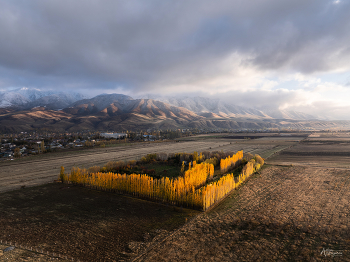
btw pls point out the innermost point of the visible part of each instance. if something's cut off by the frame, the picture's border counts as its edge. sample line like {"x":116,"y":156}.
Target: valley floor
{"x":295,"y":209}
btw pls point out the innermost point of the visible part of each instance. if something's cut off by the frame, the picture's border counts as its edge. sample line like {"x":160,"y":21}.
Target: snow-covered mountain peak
{"x":26,"y":97}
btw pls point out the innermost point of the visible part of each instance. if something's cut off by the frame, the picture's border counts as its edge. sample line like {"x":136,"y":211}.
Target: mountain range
{"x":29,"y":109}
{"x":216,"y":108}
{"x":27,"y":98}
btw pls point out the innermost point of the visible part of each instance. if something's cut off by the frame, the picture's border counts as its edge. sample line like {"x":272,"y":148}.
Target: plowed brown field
{"x":283,"y":214}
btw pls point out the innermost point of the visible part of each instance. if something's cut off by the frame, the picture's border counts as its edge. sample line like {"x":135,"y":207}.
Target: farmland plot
{"x":329,"y":153}
{"x":283,"y":214}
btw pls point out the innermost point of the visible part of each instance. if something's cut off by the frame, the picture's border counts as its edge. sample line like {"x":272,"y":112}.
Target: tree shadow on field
{"x":82,"y":223}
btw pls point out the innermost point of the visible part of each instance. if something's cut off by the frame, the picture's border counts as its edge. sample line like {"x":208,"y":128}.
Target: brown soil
{"x":283,"y":214}
{"x":83,"y":224}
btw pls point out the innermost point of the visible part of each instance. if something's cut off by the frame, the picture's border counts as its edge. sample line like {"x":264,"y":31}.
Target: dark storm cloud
{"x":135,"y":44}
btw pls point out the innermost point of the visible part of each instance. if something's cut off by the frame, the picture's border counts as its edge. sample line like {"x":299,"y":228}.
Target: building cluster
{"x":25,"y":144}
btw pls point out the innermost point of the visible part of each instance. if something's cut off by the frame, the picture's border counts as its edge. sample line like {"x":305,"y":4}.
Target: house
{"x":54,"y":145}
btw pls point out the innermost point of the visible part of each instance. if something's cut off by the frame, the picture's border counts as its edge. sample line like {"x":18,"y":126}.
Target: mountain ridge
{"x":122,"y":112}
{"x":27,"y":98}
{"x":205,"y":106}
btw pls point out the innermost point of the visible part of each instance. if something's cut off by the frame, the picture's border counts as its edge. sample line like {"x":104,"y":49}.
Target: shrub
{"x":149,"y":158}
{"x":195,"y":156}
{"x":259,"y":160}
{"x":162,"y":156}
{"x":62,"y":174}
{"x":94,"y":169}
{"x":214,"y":161}
{"x":88,"y":144}
{"x":247,"y":156}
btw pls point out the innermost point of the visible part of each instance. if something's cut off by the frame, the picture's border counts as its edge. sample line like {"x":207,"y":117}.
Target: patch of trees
{"x":216,"y":191}
{"x":192,"y":189}
{"x":230,"y":162}
{"x":179,"y":191}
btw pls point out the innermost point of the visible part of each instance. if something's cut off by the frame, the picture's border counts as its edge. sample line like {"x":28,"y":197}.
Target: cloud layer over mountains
{"x":38,"y":111}
{"x":284,"y":54}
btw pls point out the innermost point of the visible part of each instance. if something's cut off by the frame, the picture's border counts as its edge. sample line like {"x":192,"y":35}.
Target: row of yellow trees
{"x":179,"y":191}
{"x":188,"y":190}
{"x":216,"y":191}
{"x":230,"y":161}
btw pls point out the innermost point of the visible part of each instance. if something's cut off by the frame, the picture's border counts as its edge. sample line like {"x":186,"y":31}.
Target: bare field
{"x":315,"y":161}
{"x":59,"y":221}
{"x":319,"y":148}
{"x":330,"y":135}
{"x":331,"y":152}
{"x":45,"y":168}
{"x":283,"y":214}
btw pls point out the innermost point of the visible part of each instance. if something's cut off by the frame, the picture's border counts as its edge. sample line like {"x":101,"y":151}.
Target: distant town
{"x":24,"y":144}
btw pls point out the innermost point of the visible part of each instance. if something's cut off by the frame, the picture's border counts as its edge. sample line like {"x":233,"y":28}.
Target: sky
{"x":292,"y":55}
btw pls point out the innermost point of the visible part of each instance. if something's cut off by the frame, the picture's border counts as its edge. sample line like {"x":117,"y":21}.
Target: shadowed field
{"x":83,"y":224}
